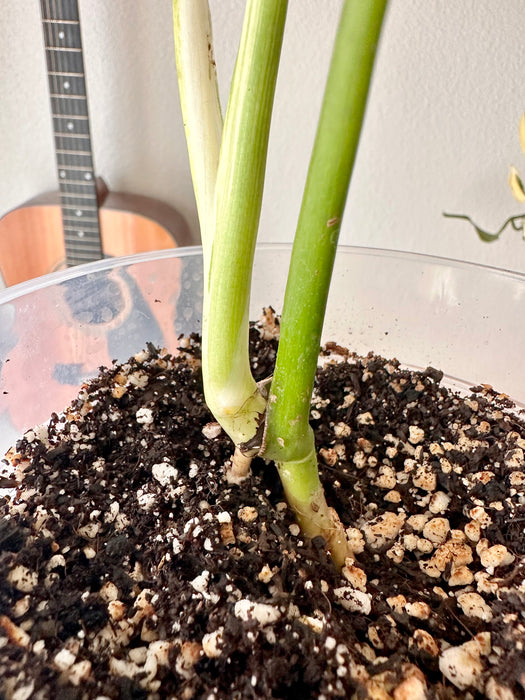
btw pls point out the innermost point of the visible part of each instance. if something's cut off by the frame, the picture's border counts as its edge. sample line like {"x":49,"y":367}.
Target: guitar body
{"x":32,"y":238}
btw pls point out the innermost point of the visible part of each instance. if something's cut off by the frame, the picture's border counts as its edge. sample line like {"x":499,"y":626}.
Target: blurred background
{"x":440,"y":134}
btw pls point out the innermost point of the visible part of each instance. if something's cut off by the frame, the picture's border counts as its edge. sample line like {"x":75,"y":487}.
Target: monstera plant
{"x":228,"y":169}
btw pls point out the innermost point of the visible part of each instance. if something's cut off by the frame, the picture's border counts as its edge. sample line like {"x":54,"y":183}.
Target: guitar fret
{"x":61,"y":72}
{"x":74,"y":147}
{"x":88,"y":253}
{"x":74,"y":168}
{"x":81,"y":200}
{"x":82,"y":240}
{"x":78,"y":259}
{"x":63,"y":48}
{"x":69,"y":97}
{"x":74,"y":153}
{"x":75,"y":181}
{"x":91,"y":249}
{"x":82,"y":208}
{"x":71,"y":116}
{"x":78,"y":195}
{"x":75,"y":224}
{"x":74,"y":203}
{"x":60,"y":21}
{"x":83,"y":254}
{"x":84,"y":226}
{"x":73,"y":164}
{"x":73,"y":187}
{"x":69,"y":135}
{"x":80,"y":250}
{"x":88,"y":226}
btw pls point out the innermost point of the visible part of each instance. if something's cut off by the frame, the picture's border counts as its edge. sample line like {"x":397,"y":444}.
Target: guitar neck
{"x":69,"y":108}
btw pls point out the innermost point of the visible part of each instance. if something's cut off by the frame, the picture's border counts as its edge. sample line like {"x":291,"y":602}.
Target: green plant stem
{"x":201,"y":111}
{"x":289,"y":438}
{"x":231,"y":392}
{"x":306,"y":497}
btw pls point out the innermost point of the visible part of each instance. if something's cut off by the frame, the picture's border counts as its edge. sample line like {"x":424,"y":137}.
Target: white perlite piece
{"x":462,"y":665}
{"x":146,"y":501}
{"x":419,"y":609}
{"x":144,"y":416}
{"x":64,"y":659}
{"x":415,"y":434}
{"x":496,"y":691}
{"x":355,"y":576}
{"x":353,"y":600}
{"x":200,"y":582}
{"x":436,"y":530}
{"x":439,"y":502}
{"x":514,"y":459}
{"x":247,"y":514}
{"x":314,"y":623}
{"x":211,"y":430}
{"x":164,"y":473}
{"x":212,"y":643}
{"x":383,"y":529}
{"x":355,"y":540}
{"x":22,"y":578}
{"x":473,"y":605}
{"x":424,"y":478}
{"x":365,"y":419}
{"x":480,"y":515}
{"x":24,"y":692}
{"x":265,"y":614}
{"x":497,"y":555}
{"x":412,"y":688}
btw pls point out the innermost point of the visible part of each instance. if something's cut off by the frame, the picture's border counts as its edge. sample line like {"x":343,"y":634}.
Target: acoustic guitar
{"x":83,"y":221}
{"x":80,"y":325}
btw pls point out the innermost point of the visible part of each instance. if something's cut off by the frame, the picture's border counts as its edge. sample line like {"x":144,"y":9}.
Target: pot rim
{"x":33,"y":285}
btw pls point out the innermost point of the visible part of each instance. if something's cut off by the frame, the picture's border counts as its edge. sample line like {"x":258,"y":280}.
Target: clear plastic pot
{"x":55,"y":331}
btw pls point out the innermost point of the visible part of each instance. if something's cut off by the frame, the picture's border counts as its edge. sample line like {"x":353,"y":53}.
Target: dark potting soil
{"x":129,"y":568}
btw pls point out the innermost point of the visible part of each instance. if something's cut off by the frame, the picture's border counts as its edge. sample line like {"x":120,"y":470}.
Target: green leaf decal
{"x":516,"y":185}
{"x":517,"y":223}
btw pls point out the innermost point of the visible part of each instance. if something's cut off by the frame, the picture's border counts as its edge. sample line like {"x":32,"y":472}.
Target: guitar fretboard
{"x":69,"y":108}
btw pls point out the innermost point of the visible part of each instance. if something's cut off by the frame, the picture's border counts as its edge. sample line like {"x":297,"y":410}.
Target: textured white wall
{"x":440,"y":133}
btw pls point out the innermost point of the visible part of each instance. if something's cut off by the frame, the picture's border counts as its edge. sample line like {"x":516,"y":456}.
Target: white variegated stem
{"x":230,"y":389}
{"x":200,"y":106}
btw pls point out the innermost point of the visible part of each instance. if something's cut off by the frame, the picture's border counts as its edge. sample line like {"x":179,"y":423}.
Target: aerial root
{"x":239,"y":468}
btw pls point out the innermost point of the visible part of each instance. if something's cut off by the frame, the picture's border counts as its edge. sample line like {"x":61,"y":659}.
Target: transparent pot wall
{"x":57,"y":330}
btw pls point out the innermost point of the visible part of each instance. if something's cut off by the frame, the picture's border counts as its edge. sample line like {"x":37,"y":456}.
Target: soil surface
{"x":129,"y":568}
